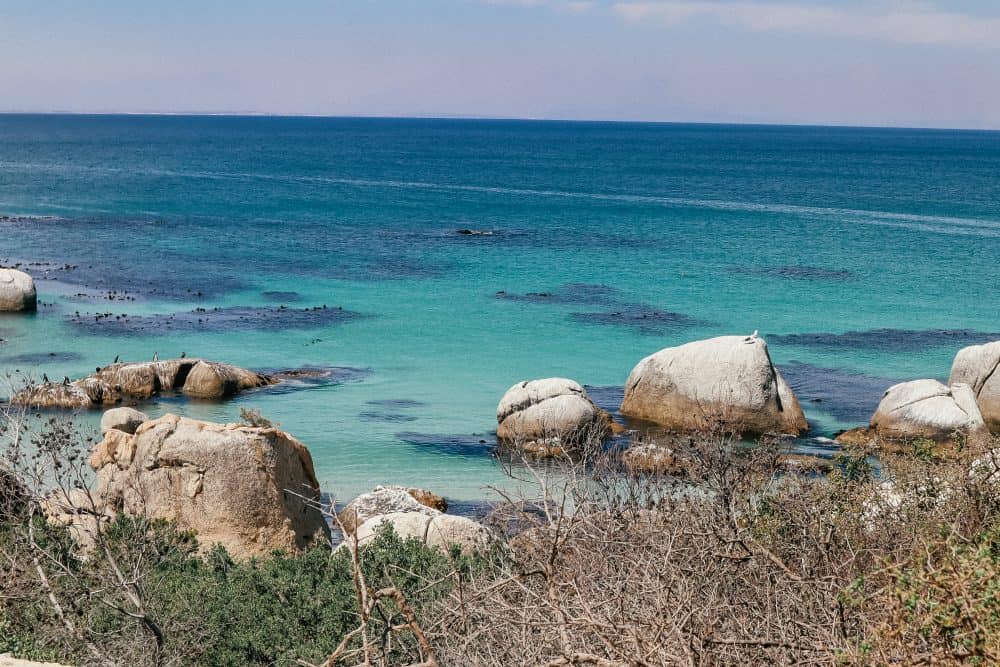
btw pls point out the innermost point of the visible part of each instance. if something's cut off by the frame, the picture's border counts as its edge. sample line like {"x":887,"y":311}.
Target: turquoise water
{"x":609,"y":241}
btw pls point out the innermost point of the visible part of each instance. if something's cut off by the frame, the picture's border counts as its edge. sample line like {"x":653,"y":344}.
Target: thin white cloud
{"x":904,"y":23}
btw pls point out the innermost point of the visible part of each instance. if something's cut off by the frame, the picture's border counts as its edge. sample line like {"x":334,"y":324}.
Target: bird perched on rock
{"x":183,"y":354}
{"x":156,"y":357}
{"x":65,"y":381}
{"x":116,"y":359}
{"x":45,"y":378}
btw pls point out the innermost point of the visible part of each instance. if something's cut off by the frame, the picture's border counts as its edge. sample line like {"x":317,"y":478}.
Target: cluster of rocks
{"x":412,"y":513}
{"x":967,"y":408}
{"x":139,"y":381}
{"x":731,"y":380}
{"x":251,"y":489}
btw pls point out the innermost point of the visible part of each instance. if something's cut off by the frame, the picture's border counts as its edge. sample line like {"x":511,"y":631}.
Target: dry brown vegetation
{"x":735,"y":563}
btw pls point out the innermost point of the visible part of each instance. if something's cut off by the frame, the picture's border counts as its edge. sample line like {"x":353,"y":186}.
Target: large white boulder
{"x":550,"y":408}
{"x":977,"y":367}
{"x":729,"y":379}
{"x":928,"y":409}
{"x":17,"y":292}
{"x":251,"y":489}
{"x":441,"y":530}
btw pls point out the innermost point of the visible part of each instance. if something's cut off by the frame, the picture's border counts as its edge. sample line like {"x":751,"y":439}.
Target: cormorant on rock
{"x":116,"y":359}
{"x":65,"y":381}
{"x":183,"y":354}
{"x":156,"y":357}
{"x":45,"y":378}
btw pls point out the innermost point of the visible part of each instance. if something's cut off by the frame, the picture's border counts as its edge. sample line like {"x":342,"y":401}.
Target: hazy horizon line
{"x":529,"y":119}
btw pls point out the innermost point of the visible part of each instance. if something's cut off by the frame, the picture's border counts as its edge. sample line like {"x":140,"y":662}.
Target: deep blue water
{"x":865,"y":256}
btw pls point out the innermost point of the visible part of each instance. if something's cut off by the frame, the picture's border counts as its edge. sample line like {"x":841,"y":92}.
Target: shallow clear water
{"x":609,"y":242}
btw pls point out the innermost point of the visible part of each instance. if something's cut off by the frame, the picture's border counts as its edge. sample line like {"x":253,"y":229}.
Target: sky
{"x":916,"y":63}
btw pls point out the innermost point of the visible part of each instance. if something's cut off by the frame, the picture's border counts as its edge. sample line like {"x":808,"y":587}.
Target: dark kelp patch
{"x":886,"y":340}
{"x":40,"y":358}
{"x":847,"y":396}
{"x":470,"y":446}
{"x":642,"y":317}
{"x":396,"y":403}
{"x":385,"y":416}
{"x":237,"y":318}
{"x":311,"y":377}
{"x":572,"y":293}
{"x":794,"y":272}
{"x":275,"y":296}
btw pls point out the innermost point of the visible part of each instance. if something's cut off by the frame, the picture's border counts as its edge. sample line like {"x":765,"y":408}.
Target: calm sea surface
{"x":864,"y":256}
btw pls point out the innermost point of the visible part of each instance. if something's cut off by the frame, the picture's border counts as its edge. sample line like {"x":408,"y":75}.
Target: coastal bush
{"x":208,"y":610}
{"x":736,"y":562}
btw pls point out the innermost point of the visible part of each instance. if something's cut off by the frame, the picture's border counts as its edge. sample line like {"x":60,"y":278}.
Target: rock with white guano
{"x":552,"y":408}
{"x":17,"y":292}
{"x":728,"y":379}
{"x":928,"y":409}
{"x":977,"y":366}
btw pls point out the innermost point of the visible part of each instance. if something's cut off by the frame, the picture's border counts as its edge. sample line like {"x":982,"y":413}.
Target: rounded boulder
{"x":17,"y":292}
{"x":729,"y":379}
{"x":928,"y":409}
{"x":550,"y":408}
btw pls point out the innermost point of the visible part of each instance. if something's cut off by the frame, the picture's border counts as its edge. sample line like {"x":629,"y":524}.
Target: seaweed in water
{"x":886,"y":340}
{"x":396,"y":403}
{"x":847,"y":396}
{"x":281,"y":297}
{"x":238,"y":318}
{"x":385,"y":416}
{"x":793,"y":272}
{"x":470,"y":446}
{"x":310,"y":377}
{"x":39,"y":358}
{"x":644,"y":318}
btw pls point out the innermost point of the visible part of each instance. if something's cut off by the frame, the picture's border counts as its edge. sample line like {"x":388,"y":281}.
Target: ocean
{"x":864,"y":256}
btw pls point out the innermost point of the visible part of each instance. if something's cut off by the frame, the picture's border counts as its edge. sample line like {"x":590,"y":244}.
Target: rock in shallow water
{"x":729,"y":379}
{"x":553,"y":408}
{"x":112,"y":384}
{"x":928,"y":409}
{"x":977,"y":366}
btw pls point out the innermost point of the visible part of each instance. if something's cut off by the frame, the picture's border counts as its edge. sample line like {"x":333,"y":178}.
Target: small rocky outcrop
{"x":212,"y":380}
{"x":141,"y":381}
{"x":441,"y":530}
{"x":126,"y":420}
{"x":977,"y":367}
{"x":552,"y":411}
{"x":729,"y":379}
{"x":389,"y":500}
{"x":17,"y":292}
{"x":922,"y":410}
{"x":251,"y":489}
